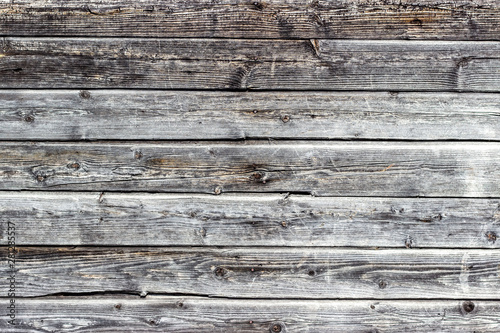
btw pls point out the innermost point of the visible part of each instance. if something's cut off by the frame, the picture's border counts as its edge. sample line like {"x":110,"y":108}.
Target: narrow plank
{"x":179,"y":115}
{"x":427,"y":19}
{"x":250,"y":64}
{"x":394,"y":169}
{"x":193,"y":314}
{"x":247,"y":220}
{"x":271,"y":272}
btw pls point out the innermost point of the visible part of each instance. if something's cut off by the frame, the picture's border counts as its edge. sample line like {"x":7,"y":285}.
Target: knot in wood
{"x":468,"y":306}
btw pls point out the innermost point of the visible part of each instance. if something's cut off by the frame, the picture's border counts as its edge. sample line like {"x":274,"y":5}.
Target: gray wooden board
{"x":168,"y":115}
{"x":425,"y":19}
{"x":250,"y":64}
{"x":271,"y":272}
{"x":194,"y":314}
{"x":395,"y":169}
{"x":143,"y":219}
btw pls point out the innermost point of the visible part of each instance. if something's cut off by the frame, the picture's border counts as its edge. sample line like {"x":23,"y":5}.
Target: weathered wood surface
{"x":272,"y":272}
{"x":247,"y":220}
{"x":395,"y":169}
{"x":250,"y":64}
{"x":167,"y":115}
{"x":378,"y":19}
{"x":193,"y":314}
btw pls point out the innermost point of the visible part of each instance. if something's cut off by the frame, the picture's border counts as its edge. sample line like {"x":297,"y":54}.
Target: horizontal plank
{"x":250,"y":64}
{"x":427,"y":19}
{"x":193,"y":314}
{"x":271,"y":272}
{"x":247,"y":220}
{"x":395,"y":169}
{"x":166,"y":115}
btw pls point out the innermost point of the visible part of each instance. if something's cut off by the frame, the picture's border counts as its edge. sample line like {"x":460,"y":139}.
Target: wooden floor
{"x":242,"y":166}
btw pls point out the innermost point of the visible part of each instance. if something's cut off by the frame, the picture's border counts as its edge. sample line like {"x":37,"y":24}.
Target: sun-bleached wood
{"x":248,"y":220}
{"x":271,"y":272}
{"x":390,"y":169}
{"x":181,"y":115}
{"x":187,"y":314}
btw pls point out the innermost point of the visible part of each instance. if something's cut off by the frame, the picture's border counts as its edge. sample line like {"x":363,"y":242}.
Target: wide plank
{"x":195,"y":314}
{"x":179,"y":115}
{"x":322,"y":168}
{"x":247,"y":220}
{"x":271,"y":272}
{"x":376,"y":19}
{"x":250,"y":64}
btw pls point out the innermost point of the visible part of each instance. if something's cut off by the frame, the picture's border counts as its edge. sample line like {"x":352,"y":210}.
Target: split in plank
{"x":331,"y":168}
{"x":271,"y":272}
{"x":195,"y":314}
{"x":394,"y":19}
{"x":247,"y":220}
{"x":250,"y":64}
{"x":167,"y":115}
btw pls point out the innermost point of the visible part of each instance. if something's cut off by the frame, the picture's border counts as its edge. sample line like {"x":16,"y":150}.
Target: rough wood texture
{"x":321,"y":168}
{"x":312,"y":273}
{"x":192,"y":314}
{"x":250,"y":64}
{"x":425,"y":19}
{"x":248,"y":220}
{"x":151,"y":115}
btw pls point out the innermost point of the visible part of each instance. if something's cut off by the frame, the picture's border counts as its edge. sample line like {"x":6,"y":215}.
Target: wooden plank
{"x":190,"y":314}
{"x":250,"y":64}
{"x":427,"y":19}
{"x":395,"y":169}
{"x":179,"y":115}
{"x":247,"y":220}
{"x":271,"y":272}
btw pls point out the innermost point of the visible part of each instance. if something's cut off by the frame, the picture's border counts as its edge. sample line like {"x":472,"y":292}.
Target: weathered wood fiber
{"x":425,"y":19}
{"x":395,"y":169}
{"x":250,"y":64}
{"x":151,"y":115}
{"x":194,"y":314}
{"x":272,"y":272}
{"x":247,"y":220}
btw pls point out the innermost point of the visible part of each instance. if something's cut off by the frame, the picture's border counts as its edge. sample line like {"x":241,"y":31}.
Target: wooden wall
{"x":248,"y":166}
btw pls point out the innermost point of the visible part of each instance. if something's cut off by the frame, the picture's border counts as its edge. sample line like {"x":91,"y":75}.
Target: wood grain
{"x":250,"y":64}
{"x":179,"y":115}
{"x":188,"y":314}
{"x":272,"y":272}
{"x":377,"y":19}
{"x":247,"y":220}
{"x":394,"y":169}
